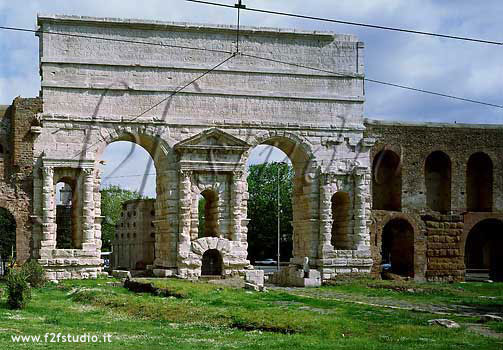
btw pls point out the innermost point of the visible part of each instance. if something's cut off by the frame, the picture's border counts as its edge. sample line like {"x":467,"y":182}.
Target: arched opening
{"x":208,"y":214}
{"x":397,"y":249}
{"x":438,"y":181}
{"x":212,"y":263}
{"x":483,"y":254}
{"x":479,"y":183}
{"x":341,"y":216}
{"x":129,"y":188}
{"x":387,"y":181}
{"x":67,"y":215}
{"x":270,"y":176}
{"x":7,"y":238}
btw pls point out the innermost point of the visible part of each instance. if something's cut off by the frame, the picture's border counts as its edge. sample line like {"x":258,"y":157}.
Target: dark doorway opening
{"x":397,"y":250}
{"x":7,"y":239}
{"x":483,"y":253}
{"x":212,"y":263}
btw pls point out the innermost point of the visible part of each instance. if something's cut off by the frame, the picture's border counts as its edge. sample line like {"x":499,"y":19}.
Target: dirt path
{"x":443,"y":310}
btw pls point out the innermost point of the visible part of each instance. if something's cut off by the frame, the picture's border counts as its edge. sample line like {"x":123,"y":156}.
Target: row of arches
{"x":212,"y":202}
{"x":483,"y":257}
{"x":387,"y":182}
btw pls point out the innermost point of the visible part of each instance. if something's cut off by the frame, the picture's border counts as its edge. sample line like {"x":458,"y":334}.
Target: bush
{"x":35,"y":273}
{"x":18,"y":288}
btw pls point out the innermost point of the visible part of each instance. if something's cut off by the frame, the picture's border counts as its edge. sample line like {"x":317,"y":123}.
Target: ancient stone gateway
{"x":96,"y":92}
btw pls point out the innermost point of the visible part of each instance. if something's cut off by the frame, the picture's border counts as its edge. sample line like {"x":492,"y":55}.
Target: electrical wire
{"x":183,"y":87}
{"x":18,"y":29}
{"x":338,"y":74}
{"x":405,"y":87}
{"x":373,"y":26}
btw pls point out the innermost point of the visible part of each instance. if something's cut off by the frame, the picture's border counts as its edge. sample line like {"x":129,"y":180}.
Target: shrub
{"x":35,"y":273}
{"x":18,"y":288}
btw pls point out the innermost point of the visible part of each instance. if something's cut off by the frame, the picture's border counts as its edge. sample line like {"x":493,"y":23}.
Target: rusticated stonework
{"x":425,"y":199}
{"x":95,"y":92}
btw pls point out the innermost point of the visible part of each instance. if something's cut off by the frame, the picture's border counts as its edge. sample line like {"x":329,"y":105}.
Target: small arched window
{"x":479,"y":182}
{"x":386,"y":181}
{"x":437,"y":174}
{"x":341,"y":216}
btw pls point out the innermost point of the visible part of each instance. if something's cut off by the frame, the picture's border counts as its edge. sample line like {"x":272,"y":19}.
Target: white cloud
{"x":455,"y":67}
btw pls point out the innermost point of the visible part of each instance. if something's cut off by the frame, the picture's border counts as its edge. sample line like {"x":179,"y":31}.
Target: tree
{"x":112,"y":198}
{"x":263,"y":208}
{"x":8,"y":234}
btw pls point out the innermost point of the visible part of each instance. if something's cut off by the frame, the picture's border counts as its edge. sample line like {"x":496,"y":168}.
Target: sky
{"x":465,"y":69}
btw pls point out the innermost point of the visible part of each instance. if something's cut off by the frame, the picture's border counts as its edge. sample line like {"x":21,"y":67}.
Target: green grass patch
{"x":487,"y":296}
{"x":216,"y":317}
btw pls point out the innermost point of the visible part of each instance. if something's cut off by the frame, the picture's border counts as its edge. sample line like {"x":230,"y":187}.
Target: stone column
{"x":361,"y":236}
{"x":236,"y":202}
{"x":48,"y":229}
{"x":326,"y":220}
{"x":88,"y":209}
{"x":184,"y":219}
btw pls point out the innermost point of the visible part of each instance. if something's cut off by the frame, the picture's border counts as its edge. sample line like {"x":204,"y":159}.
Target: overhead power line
{"x":150,"y":43}
{"x":373,"y":26}
{"x":375,"y":81}
{"x":338,"y":74}
{"x":166,"y":98}
{"x":183,"y":87}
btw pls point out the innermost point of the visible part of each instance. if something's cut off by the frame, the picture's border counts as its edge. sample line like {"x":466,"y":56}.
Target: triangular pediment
{"x":213,"y":139}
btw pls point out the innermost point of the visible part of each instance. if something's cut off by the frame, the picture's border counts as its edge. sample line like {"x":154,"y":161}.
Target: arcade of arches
{"x":357,"y":182}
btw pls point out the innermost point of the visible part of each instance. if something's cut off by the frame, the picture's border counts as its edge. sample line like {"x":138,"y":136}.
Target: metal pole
{"x":279,"y":210}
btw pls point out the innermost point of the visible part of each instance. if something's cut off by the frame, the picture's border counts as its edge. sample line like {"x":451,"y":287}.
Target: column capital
{"x":88,"y":171}
{"x":237,"y":174}
{"x":185,"y":173}
{"x":48,"y":171}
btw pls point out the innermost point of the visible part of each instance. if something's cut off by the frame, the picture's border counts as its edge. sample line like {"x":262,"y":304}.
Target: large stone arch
{"x":164,"y":161}
{"x":147,"y":137}
{"x":301,"y":153}
{"x":298,"y":149}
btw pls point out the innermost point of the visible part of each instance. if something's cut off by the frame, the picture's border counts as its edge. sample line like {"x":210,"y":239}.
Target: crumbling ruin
{"x":365,"y":192}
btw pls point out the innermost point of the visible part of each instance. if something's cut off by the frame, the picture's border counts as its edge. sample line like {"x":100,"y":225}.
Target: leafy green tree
{"x":263,"y":180}
{"x":8,"y":234}
{"x":112,"y":198}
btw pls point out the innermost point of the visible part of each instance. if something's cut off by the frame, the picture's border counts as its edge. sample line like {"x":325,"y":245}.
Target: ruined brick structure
{"x":434,"y":186}
{"x":133,"y":244}
{"x":18,"y":129}
{"x":356,"y":184}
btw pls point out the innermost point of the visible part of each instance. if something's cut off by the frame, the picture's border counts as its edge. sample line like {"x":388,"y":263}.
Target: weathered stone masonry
{"x":363,"y":191}
{"x":18,"y":129}
{"x":439,"y":236}
{"x":95,"y":91}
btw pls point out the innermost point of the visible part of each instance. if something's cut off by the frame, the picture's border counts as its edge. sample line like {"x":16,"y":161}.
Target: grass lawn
{"x":207,"y":316}
{"x":476,"y":294}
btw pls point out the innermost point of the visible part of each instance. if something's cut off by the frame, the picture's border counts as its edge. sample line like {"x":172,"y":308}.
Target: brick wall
{"x":440,"y":249}
{"x":16,"y":180}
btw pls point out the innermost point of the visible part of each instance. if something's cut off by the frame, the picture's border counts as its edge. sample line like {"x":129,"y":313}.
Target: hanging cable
{"x":373,"y":26}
